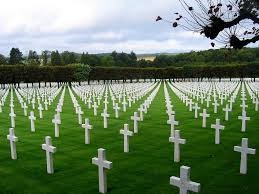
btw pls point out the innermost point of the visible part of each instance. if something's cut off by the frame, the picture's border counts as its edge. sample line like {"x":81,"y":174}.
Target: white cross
{"x":87,"y":128}
{"x":204,"y":116}
{"x":208,"y":101}
{"x":12,"y":138}
{"x":227,"y":110}
{"x":176,"y":139}
{"x":46,"y":104}
{"x":217,"y":128}
{"x":32,"y":118}
{"x":57,"y":122}
{"x":170,"y":111}
{"x":79,"y":114}
{"x":231,"y":101}
{"x":202,"y":98}
{"x":172,"y":122}
{"x":102,"y":164}
{"x":99,"y":100}
{"x":244,"y":150}
{"x":256,"y":104}
{"x":33,"y":103}
{"x":215,"y":104}
{"x":135,"y":118}
{"x":105,"y":115}
{"x":95,"y":106}
{"x":244,"y":118}
{"x":58,"y":110}
{"x":126,"y":133}
{"x":89,"y":103}
{"x":124,"y":103}
{"x":116,"y":108}
{"x":129,"y":100}
{"x":106,"y":102}
{"x":12,"y":115}
{"x":243,"y":106}
{"x":40,"y":108}
{"x":190,"y":104}
{"x":25,"y":107}
{"x":141,"y":109}
{"x":49,"y":154}
{"x":196,"y":108}
{"x":184,"y":183}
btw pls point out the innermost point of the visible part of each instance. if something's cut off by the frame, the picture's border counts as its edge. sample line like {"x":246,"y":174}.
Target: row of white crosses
{"x":86,"y":126}
{"x":101,"y":161}
{"x":3,"y":96}
{"x":48,"y":144}
{"x":125,"y":131}
{"x":253,"y":91}
{"x":184,"y":182}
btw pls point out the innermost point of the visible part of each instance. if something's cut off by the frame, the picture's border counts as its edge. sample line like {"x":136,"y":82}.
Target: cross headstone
{"x":40,"y":108}
{"x":176,"y":139}
{"x":126,"y":133}
{"x":103,"y":165}
{"x":116,"y":108}
{"x":204,"y":116}
{"x":12,"y":115}
{"x":215,"y":104}
{"x":172,"y":122}
{"x":105,"y":115}
{"x":226,"y":110}
{"x":32,"y":118}
{"x":244,"y":118}
{"x":12,"y":138}
{"x":244,"y":150}
{"x":79,"y":114}
{"x":135,"y":118}
{"x":25,"y":107}
{"x":49,"y":154}
{"x":217,"y":128}
{"x":87,"y":128}
{"x":256,"y":104}
{"x":184,"y":183}
{"x":95,"y":106}
{"x":196,"y":108}
{"x":56,"y":121}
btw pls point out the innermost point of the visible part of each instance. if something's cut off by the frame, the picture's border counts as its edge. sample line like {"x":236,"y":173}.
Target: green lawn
{"x":145,"y":169}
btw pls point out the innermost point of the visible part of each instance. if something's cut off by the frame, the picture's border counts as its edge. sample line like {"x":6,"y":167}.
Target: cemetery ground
{"x":148,"y":165}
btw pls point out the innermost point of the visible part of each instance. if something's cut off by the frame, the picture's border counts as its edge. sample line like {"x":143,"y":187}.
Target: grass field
{"x":145,"y":169}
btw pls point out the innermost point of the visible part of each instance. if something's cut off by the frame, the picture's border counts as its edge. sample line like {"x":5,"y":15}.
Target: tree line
{"x":72,"y":73}
{"x":115,"y":59}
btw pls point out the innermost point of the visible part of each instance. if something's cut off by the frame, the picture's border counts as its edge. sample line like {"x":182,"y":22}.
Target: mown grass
{"x":148,"y":165}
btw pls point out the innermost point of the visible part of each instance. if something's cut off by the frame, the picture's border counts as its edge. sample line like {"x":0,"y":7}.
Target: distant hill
{"x":151,"y":57}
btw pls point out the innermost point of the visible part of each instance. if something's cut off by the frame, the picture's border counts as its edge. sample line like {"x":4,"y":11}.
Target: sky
{"x":94,"y":26}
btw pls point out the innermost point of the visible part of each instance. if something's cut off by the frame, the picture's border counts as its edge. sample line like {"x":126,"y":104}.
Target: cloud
{"x":93,"y":26}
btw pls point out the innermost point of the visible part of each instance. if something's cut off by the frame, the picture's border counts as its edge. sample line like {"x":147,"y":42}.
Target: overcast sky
{"x":95,"y":26}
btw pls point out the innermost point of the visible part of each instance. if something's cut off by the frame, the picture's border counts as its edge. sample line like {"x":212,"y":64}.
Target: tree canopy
{"x":15,"y":56}
{"x":234,"y":23}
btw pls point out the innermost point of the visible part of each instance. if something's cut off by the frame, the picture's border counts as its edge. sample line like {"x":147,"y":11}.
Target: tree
{"x":44,"y":57}
{"x":2,"y":60}
{"x":55,"y":58}
{"x":233,"y":23}
{"x":15,"y":56}
{"x":68,"y":58}
{"x":33,"y":58}
{"x":107,"y":61}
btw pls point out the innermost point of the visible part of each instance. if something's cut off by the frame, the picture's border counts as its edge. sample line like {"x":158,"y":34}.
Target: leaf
{"x":175,"y":24}
{"x":212,"y":44}
{"x":158,"y":18}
